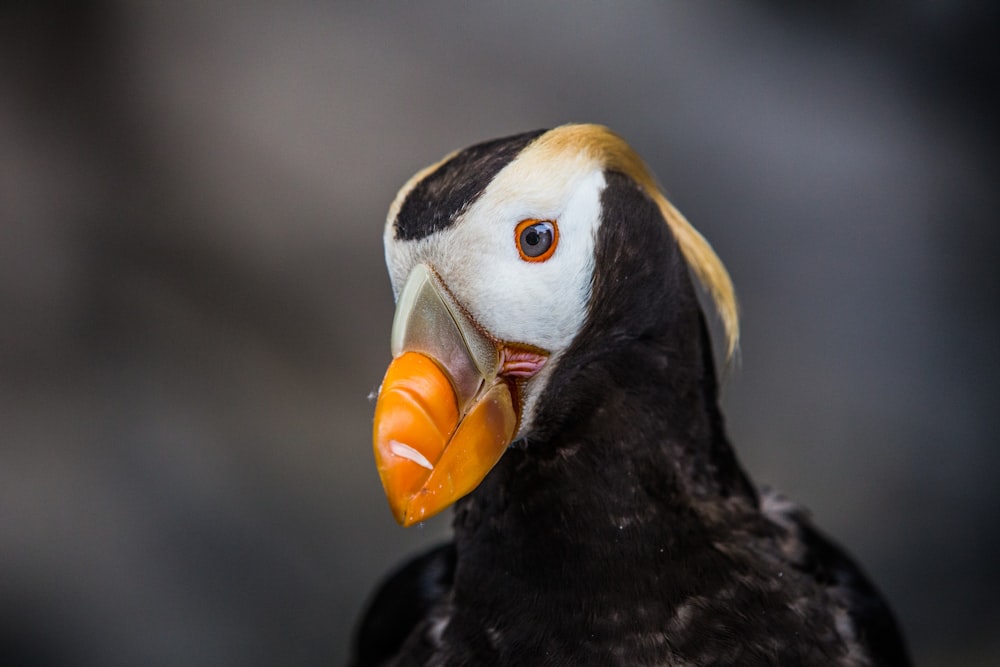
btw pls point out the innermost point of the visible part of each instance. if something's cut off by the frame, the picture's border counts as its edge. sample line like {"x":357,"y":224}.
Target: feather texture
{"x":620,"y":528}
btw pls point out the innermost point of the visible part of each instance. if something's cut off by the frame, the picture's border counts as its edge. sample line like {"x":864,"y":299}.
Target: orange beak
{"x":447,"y":407}
{"x":426,"y":457}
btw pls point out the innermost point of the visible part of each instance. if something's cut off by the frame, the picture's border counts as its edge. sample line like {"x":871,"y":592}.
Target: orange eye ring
{"x":536,"y":240}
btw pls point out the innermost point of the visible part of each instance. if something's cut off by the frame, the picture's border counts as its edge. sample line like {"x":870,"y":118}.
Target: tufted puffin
{"x":553,"y":378}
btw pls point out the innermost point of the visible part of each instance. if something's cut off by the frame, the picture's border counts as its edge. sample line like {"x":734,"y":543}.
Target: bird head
{"x":491,"y":254}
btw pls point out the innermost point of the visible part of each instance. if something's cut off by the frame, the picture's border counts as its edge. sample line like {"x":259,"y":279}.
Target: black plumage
{"x":623,"y":530}
{"x":437,"y":200}
{"x":402,"y":603}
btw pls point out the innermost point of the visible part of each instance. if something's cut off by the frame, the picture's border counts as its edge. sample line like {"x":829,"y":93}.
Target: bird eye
{"x":536,"y":239}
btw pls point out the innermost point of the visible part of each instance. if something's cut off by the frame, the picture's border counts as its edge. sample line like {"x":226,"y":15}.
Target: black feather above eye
{"x":536,"y":239}
{"x":438,"y":199}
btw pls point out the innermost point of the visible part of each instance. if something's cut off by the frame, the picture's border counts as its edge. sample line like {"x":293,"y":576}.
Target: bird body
{"x":611,"y":522}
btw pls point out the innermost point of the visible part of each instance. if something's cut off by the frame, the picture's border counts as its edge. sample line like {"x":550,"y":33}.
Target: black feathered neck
{"x":641,"y":371}
{"x":609,"y":492}
{"x":636,"y":392}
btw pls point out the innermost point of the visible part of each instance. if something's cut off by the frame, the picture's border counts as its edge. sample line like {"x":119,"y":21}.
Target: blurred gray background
{"x":194,"y":305}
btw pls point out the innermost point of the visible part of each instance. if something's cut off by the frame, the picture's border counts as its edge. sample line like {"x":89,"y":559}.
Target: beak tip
{"x":406,"y":512}
{"x":398,"y":512}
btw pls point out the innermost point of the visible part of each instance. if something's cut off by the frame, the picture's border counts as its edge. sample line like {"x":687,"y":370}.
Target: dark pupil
{"x":536,"y":239}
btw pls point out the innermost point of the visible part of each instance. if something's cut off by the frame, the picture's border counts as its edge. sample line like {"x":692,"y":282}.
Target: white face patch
{"x":543,"y":304}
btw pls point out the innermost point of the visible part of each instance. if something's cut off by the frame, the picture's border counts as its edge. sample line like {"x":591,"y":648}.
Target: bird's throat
{"x":614,"y":494}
